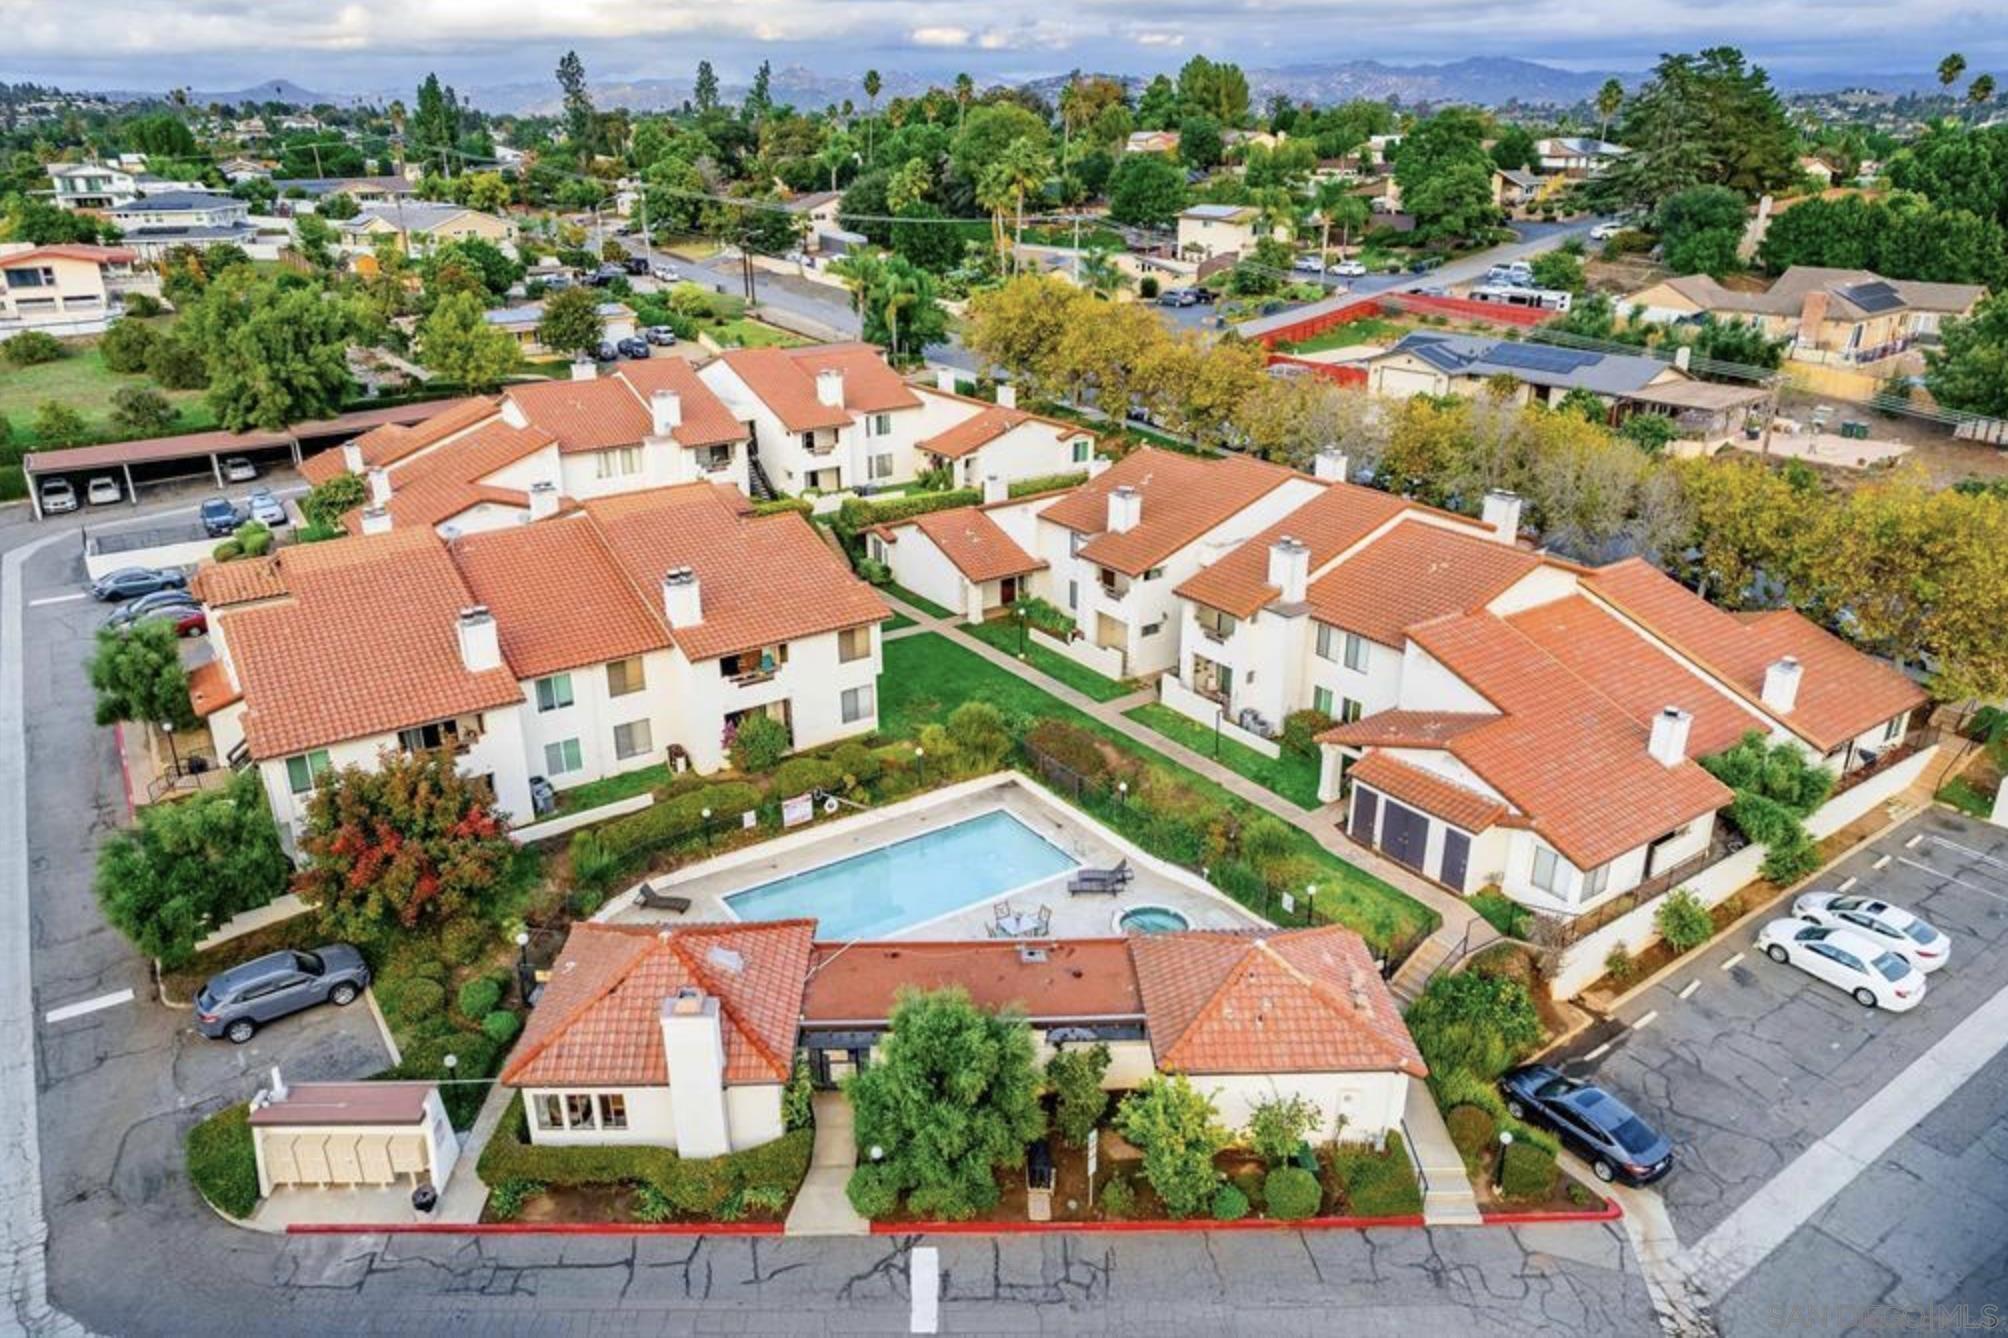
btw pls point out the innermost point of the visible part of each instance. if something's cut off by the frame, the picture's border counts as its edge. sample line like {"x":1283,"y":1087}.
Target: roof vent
{"x":1031,"y":956}
{"x":729,"y":960}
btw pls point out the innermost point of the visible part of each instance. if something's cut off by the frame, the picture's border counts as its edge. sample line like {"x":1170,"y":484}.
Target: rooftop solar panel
{"x":1541,"y":358}
{"x":1873,"y":297}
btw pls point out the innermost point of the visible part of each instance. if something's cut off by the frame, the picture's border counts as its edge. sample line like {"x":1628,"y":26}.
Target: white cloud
{"x":1158,"y":38}
{"x":940,"y":36}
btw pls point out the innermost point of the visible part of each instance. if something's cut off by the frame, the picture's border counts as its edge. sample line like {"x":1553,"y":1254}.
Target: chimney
{"x":995,"y":489}
{"x":1125,"y":509}
{"x":830,"y":388}
{"x":1781,"y":685}
{"x":694,"y":1050}
{"x":665,"y":409}
{"x":376,"y":520}
{"x":1502,"y":513}
{"x":1668,"y":744}
{"x":380,"y":486}
{"x":480,"y":646}
{"x":352,"y":457}
{"x":681,"y":603}
{"x":944,"y":379}
{"x":585,"y":369}
{"x":1812,"y":313}
{"x":1331,"y":464}
{"x":543,"y":500}
{"x":1290,"y":568}
{"x":1007,"y":397}
{"x":1683,"y":357}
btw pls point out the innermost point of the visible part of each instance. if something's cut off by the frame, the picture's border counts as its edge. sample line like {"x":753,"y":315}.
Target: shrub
{"x":1292,"y":1194}
{"x":1618,"y":963}
{"x":1047,"y":483}
{"x":56,"y":423}
{"x":1277,"y":1124}
{"x":1472,"y":1129}
{"x":31,"y":347}
{"x":1777,"y":771}
{"x":143,"y":305}
{"x":177,"y":363}
{"x":801,"y":775}
{"x":798,"y":1098}
{"x":599,"y":855}
{"x":1527,"y":1172}
{"x":857,"y":766}
{"x":1682,"y":921}
{"x":478,"y":997}
{"x":1790,"y":859}
{"x":462,"y":940}
{"x":1479,"y":1023}
{"x":977,"y":731}
{"x":254,"y":538}
{"x":222,"y":1163}
{"x":1118,"y":1197}
{"x":126,"y":347}
{"x":1762,"y":819}
{"x":652,"y":1205}
{"x":1179,"y":1131}
{"x":501,"y":1026}
{"x":1229,"y":1204}
{"x":1377,"y":1184}
{"x":227,"y":551}
{"x":873,"y":572}
{"x":1240,"y":882}
{"x":1071,"y":746}
{"x":1076,"y":1079}
{"x":759,"y":743}
{"x":418,"y":998}
{"x":873,"y":1191}
{"x":506,"y":1200}
{"x":856,"y":515}
{"x":1301,"y":730}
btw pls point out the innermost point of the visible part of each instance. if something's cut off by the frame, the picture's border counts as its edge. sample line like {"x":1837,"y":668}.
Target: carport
{"x":352,"y":1135}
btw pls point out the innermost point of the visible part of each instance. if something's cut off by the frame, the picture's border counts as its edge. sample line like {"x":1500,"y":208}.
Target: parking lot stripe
{"x":1692,"y":986}
{"x":1644,"y":1020}
{"x":1882,"y":863}
{"x":924,"y":1280}
{"x":1598,"y":1053}
{"x":57,"y":599}
{"x":1731,"y":962}
{"x":1955,"y":878}
{"x":83,"y":1006}
{"x":1848,"y":882}
{"x":1912,"y":843}
{"x":1980,"y":855}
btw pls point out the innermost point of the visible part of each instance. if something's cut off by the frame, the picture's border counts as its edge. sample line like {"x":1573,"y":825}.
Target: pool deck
{"x":833,"y":838}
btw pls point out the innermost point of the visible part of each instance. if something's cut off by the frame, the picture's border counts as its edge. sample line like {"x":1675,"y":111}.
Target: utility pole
{"x":648,"y":256}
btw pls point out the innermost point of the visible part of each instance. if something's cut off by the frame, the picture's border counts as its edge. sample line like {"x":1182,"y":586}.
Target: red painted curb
{"x":539,"y":1229}
{"x":1610,"y":1212}
{"x":1189,"y":1224}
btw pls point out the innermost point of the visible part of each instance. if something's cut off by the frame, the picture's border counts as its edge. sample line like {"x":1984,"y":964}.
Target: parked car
{"x":543,"y":796}
{"x":634,"y":346}
{"x":666,"y":272}
{"x":181,"y":610}
{"x":1592,"y":1123}
{"x":1308,"y":265}
{"x":135,"y":609}
{"x":1205,"y":295}
{"x":127,"y":582}
{"x":58,"y":496}
{"x":660,"y":334}
{"x":1922,"y":945}
{"x":235,"y":1003}
{"x":219,"y":517}
{"x":605,"y":351}
{"x":606,"y":274}
{"x":266,"y":509}
{"x":236,"y":469}
{"x":635,"y":265}
{"x":102,"y":491}
{"x":1424,"y":264}
{"x":1847,"y":959}
{"x":1178,"y":297}
{"x":1349,"y":269}
{"x":1603,"y":232}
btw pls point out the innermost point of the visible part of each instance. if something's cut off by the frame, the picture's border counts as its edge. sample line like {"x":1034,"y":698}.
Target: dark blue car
{"x":1592,"y":1123}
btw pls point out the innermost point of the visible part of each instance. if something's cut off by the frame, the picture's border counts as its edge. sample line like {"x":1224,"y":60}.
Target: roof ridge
{"x":522,"y":1058}
{"x":1206,"y":1011}
{"x":674,"y":941}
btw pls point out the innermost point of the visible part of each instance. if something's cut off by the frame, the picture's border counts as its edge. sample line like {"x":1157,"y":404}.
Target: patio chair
{"x":650,"y":899}
{"x":1101,"y":881}
{"x":1001,"y":910}
{"x":1045,"y":925}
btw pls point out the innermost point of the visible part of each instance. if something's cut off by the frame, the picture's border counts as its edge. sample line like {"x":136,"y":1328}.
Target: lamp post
{"x":525,"y":980}
{"x":1021,"y":632}
{"x":1122,"y":793}
{"x":704,"y":816}
{"x":1310,"y":903}
{"x":167,"y":728}
{"x":920,"y":760}
{"x":1219,"y":716}
{"x":1505,"y":1143}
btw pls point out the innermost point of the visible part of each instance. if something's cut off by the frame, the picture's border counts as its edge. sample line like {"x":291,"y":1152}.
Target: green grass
{"x":928,"y":676}
{"x":925,"y":605}
{"x":1503,"y":913}
{"x":222,"y":1163}
{"x":1367,"y":330}
{"x":895,"y":623}
{"x":1003,"y":633}
{"x":1967,"y":797}
{"x":81,"y":381}
{"x":609,"y":788}
{"x":1292,"y":775}
{"x":746,"y":333}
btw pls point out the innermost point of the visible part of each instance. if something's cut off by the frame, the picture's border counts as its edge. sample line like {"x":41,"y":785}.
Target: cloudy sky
{"x":371,"y":45}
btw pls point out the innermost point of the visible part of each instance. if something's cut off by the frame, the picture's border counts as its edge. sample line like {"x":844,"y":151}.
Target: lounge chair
{"x":650,"y":899}
{"x":1101,"y":881}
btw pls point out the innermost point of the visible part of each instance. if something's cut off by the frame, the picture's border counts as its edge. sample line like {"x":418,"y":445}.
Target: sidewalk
{"x":1448,"y":1198}
{"x":821,"y":1206}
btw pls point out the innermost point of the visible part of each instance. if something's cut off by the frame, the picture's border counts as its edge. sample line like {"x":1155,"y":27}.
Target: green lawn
{"x":895,"y":623}
{"x":81,"y":381}
{"x":1503,"y":913}
{"x":747,"y":333}
{"x":928,"y":676}
{"x":925,"y":605}
{"x":1003,"y":633}
{"x":609,"y":788}
{"x":1367,"y":330}
{"x":1292,"y":775}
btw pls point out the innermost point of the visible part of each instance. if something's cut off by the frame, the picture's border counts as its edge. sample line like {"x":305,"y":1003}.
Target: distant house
{"x":1830,"y":315}
{"x":1209,"y":230}
{"x":152,"y":224}
{"x":245,"y":169}
{"x":66,"y":290}
{"x":1576,"y":156}
{"x":92,"y":185}
{"x":1819,"y":170}
{"x":1151,"y":141}
{"x":1513,"y":188}
{"x":420,"y":226}
{"x":363,"y":190}
{"x":617,"y":318}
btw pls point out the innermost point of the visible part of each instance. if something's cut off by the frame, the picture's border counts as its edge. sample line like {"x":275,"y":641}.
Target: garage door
{"x":342,"y":1158}
{"x":1365,"y":803}
{"x":1404,"y":835}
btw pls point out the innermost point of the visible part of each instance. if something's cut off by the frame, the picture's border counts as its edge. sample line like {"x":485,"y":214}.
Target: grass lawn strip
{"x":1005,"y":636}
{"x":1293,"y":776}
{"x":610,"y":788}
{"x":925,"y":605}
{"x":896,"y":623}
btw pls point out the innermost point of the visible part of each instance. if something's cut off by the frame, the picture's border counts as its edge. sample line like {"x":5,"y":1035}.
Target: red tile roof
{"x":210,"y":689}
{"x":585,"y":415}
{"x":591,"y":615}
{"x":599,"y":1021}
{"x":97,"y":255}
{"x":1269,"y":1001}
{"x":1418,"y":788}
{"x":1075,"y":980}
{"x":221,"y":584}
{"x":1414,"y":572}
{"x":969,"y":538}
{"x":1842,"y":692}
{"x":785,"y":381}
{"x":368,"y":642}
{"x":1184,"y":496}
{"x":974,"y":432}
{"x":433,"y":488}
{"x":1406,"y":729}
{"x":1329,"y":524}
{"x":706,"y":420}
{"x":392,"y":442}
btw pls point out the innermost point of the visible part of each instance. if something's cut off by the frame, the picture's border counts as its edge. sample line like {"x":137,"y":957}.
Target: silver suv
{"x":235,"y":1003}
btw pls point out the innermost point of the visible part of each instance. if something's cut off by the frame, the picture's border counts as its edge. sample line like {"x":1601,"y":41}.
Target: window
{"x":879,"y":425}
{"x":1153,"y":573}
{"x":879,"y":466}
{"x":1595,"y":881}
{"x":1349,"y":710}
{"x":624,"y":676}
{"x":1083,"y":449}
{"x":1073,"y":594}
{"x":1547,"y":870}
{"x":858,"y":704}
{"x":853,"y":644}
{"x":714,"y":458}
{"x":554,"y":693}
{"x":579,"y":1110}
{"x":632,"y":740}
{"x":550,"y":1111}
{"x":562,"y":757}
{"x":1217,"y":625}
{"x":455,"y":734}
{"x":1321,"y":700}
{"x":1328,"y":640}
{"x":304,"y":771}
{"x":31,"y":278}
{"x":1152,"y":629}
{"x":1356,"y":652}
{"x":621,"y":462}
{"x":613,"y":1110}
{"x":1895,"y":728}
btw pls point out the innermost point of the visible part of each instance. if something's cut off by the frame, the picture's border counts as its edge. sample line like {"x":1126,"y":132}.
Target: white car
{"x":666,"y":273}
{"x":102,"y":491}
{"x":1349,"y":269}
{"x":1603,"y":232}
{"x":1917,"y":942}
{"x":1847,"y":959}
{"x":236,"y":469}
{"x":58,"y":496}
{"x":1308,"y":265}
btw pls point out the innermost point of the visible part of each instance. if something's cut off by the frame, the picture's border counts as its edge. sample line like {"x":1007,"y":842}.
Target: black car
{"x":235,"y":1003}
{"x":1592,"y":1123}
{"x":634,"y":346}
{"x":605,"y":351}
{"x":1204,"y":296}
{"x":1424,"y":264}
{"x":606,"y":274}
{"x":219,"y":517}
{"x":127,"y":582}
{"x":635,"y":265}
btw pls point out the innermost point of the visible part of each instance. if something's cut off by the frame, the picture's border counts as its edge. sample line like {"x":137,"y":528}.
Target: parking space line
{"x":1912,"y":843}
{"x":924,"y":1281}
{"x":1732,"y":961}
{"x":1598,"y":1053}
{"x":1646,"y":1019}
{"x":83,"y":1006}
{"x":1692,"y":986}
{"x":1848,"y":882}
{"x":1882,"y":863}
{"x":1955,"y":878}
{"x":1980,"y":855}
{"x":58,"y":599}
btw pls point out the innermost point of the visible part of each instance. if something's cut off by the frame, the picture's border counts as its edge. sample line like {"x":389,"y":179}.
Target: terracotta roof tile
{"x":1270,"y":1001}
{"x":1184,"y":496}
{"x":1414,"y":572}
{"x":1076,"y":979}
{"x":221,"y":584}
{"x":585,"y":415}
{"x":560,"y":600}
{"x":435,"y":487}
{"x":974,"y":432}
{"x":785,"y":380}
{"x":392,"y":442}
{"x":210,"y":689}
{"x":1329,"y":524}
{"x":1418,"y":788}
{"x":1406,"y":729}
{"x":706,"y":420}
{"x":976,"y":544}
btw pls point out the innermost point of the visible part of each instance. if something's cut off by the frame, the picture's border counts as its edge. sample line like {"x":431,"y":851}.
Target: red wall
{"x":1455,"y":308}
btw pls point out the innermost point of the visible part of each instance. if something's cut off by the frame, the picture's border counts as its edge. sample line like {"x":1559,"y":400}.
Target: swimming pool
{"x":904,"y":884}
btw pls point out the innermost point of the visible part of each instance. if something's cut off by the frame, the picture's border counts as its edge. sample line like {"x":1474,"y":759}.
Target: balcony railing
{"x":1217,"y":636}
{"x":1723,"y":844}
{"x":1114,"y":593}
{"x":1914,"y":743}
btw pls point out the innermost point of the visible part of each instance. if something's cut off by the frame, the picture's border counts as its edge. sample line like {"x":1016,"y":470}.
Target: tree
{"x":1700,"y":229}
{"x":57,"y":424}
{"x":706,"y":90}
{"x":1018,"y":327}
{"x":953,"y":1099}
{"x":988,"y":134}
{"x":1200,"y":143}
{"x":314,"y":240}
{"x":872,"y":85}
{"x":1610,"y":100}
{"x":328,"y":501}
{"x":1969,"y":369}
{"x":488,"y":191}
{"x":138,"y":677}
{"x":411,"y":842}
{"x":1180,"y":1132}
{"x":578,"y":105}
{"x":922,"y":236}
{"x":1445,"y":176}
{"x":1146,"y":190}
{"x":276,"y":352}
{"x":496,"y":271}
{"x":125,"y":346}
{"x":1215,"y":89}
{"x":185,"y":868}
{"x":1950,"y":69}
{"x":1980,"y":92}
{"x":1076,"y":1079}
{"x":142,"y":411}
{"x":571,"y":322}
{"x":1706,"y":119}
{"x":897,"y":300}
{"x":1278,"y":1124}
{"x":1514,"y":149}
{"x":1558,"y":270}
{"x":458,"y":343}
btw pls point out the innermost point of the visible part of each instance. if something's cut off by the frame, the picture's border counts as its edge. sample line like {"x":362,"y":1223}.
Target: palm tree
{"x":1950,"y":69}
{"x":1980,"y":92}
{"x":1029,"y":167}
{"x":1099,"y":274}
{"x":995,"y":192}
{"x":1610,"y":100}
{"x":872,"y":86}
{"x":965,"y":91}
{"x":1339,"y":208}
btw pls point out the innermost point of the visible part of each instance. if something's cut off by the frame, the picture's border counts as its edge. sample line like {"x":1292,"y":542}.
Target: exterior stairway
{"x":763,"y":487}
{"x":1429,"y":954}
{"x":1447,"y":1196}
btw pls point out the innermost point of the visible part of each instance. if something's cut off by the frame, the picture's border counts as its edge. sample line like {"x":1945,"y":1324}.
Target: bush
{"x":1790,"y":859}
{"x":1472,"y":1129}
{"x":227,"y":551}
{"x":126,"y":347}
{"x":501,"y":1026}
{"x":801,"y":775}
{"x":254,"y":538}
{"x":873,"y":572}
{"x":56,"y":423}
{"x":31,"y":347}
{"x":222,"y":1163}
{"x":599,"y":855}
{"x":798,"y":1098}
{"x":1292,"y":1194}
{"x":1229,"y":1204}
{"x":1179,"y":1131}
{"x":857,"y":766}
{"x":978,"y":733}
{"x":1478,"y":1023}
{"x":759,"y":744}
{"x":1682,"y":921}
{"x":462,"y":940}
{"x":506,"y":1200}
{"x":1278,"y":1124}
{"x":478,"y":997}
{"x":177,"y":363}
{"x":1071,"y":746}
{"x":856,"y":515}
{"x":1048,"y":483}
{"x":143,"y":305}
{"x":1076,"y":1079}
{"x":1377,"y":1184}
{"x":1118,"y":1198}
{"x":1527,"y":1172}
{"x":1778,"y":772}
{"x":418,"y":998}
{"x":873,"y":1191}
{"x":1301,"y":730}
{"x":1618,"y":963}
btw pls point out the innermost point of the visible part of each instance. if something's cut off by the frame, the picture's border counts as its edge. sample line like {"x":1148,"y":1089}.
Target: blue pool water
{"x":889,"y":889}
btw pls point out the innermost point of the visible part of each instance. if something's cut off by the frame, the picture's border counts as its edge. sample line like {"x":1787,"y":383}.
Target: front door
{"x":1365,"y":804}
{"x":1404,"y":835}
{"x":1007,"y":591}
{"x":829,"y":1067}
{"x":1456,"y":856}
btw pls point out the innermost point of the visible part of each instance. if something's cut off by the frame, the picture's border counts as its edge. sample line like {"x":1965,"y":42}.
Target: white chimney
{"x":1290,"y":568}
{"x":585,"y":369}
{"x":1125,"y":509}
{"x":681,"y":603}
{"x":995,"y":489}
{"x":352,"y":457}
{"x":543,"y":500}
{"x":944,"y":379}
{"x":480,"y":645}
{"x":1781,"y":685}
{"x":379,"y":486}
{"x":1332,"y":465}
{"x":694,"y":1050}
{"x":376,"y":520}
{"x":1007,"y":396}
{"x":1502,"y":513}
{"x":1683,"y":357}
{"x":1668,"y":744}
{"x":665,"y":408}
{"x":830,"y":388}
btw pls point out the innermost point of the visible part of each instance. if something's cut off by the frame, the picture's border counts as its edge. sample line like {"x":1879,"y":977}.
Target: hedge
{"x":1528,"y":1172}
{"x":1292,"y":1194}
{"x":1377,"y":1184}
{"x":222,"y":1162}
{"x":626,"y":839}
{"x":1472,"y":1129}
{"x":777,"y":506}
{"x":1047,"y":483}
{"x":857,"y":515}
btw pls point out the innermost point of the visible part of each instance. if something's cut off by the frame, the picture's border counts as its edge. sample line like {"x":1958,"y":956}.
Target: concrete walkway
{"x":821,"y":1206}
{"x":276,"y":911}
{"x":1447,"y":1197}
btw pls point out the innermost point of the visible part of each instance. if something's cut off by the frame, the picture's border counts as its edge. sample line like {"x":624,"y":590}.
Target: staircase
{"x":763,"y":487}
{"x":1430,"y":954}
{"x":1447,"y":1196}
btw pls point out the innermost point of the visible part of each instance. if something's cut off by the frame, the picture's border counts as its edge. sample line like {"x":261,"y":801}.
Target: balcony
{"x":1218,"y":635}
{"x":1913,"y":743}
